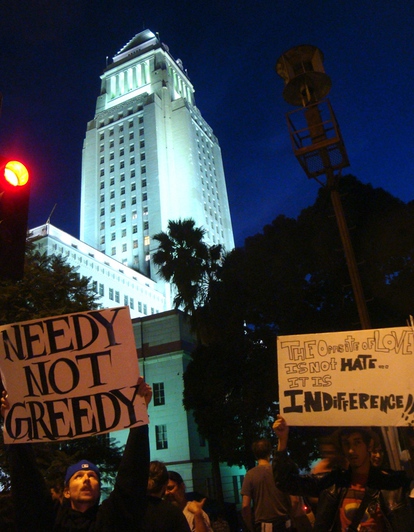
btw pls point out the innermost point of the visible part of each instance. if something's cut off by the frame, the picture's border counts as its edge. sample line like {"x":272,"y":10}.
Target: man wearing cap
{"x":80,"y":510}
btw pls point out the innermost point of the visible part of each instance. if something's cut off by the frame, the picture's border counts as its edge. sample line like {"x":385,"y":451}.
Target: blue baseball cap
{"x":82,"y":465}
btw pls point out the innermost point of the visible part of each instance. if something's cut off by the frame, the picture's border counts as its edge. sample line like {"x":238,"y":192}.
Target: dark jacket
{"x":388,"y":488}
{"x":122,"y":510}
{"x":162,"y":516}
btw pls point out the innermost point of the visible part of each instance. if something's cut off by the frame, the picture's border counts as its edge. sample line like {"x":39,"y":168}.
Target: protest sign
{"x":350,"y":378}
{"x":70,"y":376}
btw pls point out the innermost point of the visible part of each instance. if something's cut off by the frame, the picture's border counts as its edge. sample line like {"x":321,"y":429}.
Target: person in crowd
{"x":331,"y":458}
{"x":362,"y":497}
{"x":197,"y":518}
{"x":271,"y":506}
{"x":377,"y":453}
{"x":161,"y":516}
{"x":122,"y":510}
{"x":272,"y":509}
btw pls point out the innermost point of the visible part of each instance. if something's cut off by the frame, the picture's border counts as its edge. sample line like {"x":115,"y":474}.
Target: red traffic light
{"x":16,"y":173}
{"x":14,"y":210}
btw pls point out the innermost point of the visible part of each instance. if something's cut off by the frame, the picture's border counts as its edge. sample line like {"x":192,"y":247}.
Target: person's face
{"x":83,"y":490}
{"x":175,"y":493}
{"x":377,"y":456}
{"x":355,"y":450}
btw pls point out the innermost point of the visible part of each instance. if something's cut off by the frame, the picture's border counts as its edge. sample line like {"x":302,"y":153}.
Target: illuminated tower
{"x":149,"y":157}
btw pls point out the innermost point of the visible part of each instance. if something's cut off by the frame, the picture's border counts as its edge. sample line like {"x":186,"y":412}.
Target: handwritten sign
{"x":70,"y":376}
{"x":351,"y":378}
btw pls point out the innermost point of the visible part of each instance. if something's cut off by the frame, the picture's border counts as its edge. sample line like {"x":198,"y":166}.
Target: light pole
{"x":317,"y":141}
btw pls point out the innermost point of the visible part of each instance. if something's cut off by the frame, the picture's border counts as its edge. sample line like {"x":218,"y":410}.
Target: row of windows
{"x":114,"y":295}
{"x":122,"y":166}
{"x":133,"y":217}
{"x":121,"y":115}
{"x":121,"y":150}
{"x":123,"y":217}
{"x":121,"y":139}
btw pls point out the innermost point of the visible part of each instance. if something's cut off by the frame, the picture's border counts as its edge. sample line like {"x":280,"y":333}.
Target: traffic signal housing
{"x":14,"y":211}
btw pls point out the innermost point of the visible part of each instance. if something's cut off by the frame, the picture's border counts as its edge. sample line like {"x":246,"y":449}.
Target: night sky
{"x":52,"y":53}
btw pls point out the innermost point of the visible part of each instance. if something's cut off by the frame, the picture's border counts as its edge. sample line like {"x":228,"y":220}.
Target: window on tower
{"x":159,"y":393}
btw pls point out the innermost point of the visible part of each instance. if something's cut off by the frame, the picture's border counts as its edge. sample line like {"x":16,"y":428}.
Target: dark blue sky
{"x":53,"y":52}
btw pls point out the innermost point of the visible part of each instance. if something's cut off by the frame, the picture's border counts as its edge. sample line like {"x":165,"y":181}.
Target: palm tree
{"x":188,"y":263}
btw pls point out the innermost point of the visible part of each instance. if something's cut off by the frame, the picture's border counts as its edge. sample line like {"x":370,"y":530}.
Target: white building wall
{"x":116,"y":284}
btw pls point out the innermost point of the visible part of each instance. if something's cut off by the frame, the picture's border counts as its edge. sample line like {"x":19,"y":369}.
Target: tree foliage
{"x":50,"y":287}
{"x":187,"y":262}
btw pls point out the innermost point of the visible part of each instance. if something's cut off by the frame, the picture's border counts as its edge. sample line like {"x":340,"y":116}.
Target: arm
{"x":286,"y":472}
{"x":31,"y":500}
{"x":281,"y":429}
{"x":246,"y":512}
{"x":126,"y":504}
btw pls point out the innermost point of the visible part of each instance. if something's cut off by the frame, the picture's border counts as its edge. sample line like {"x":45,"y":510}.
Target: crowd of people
{"x":350,"y":489}
{"x":146,"y":497}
